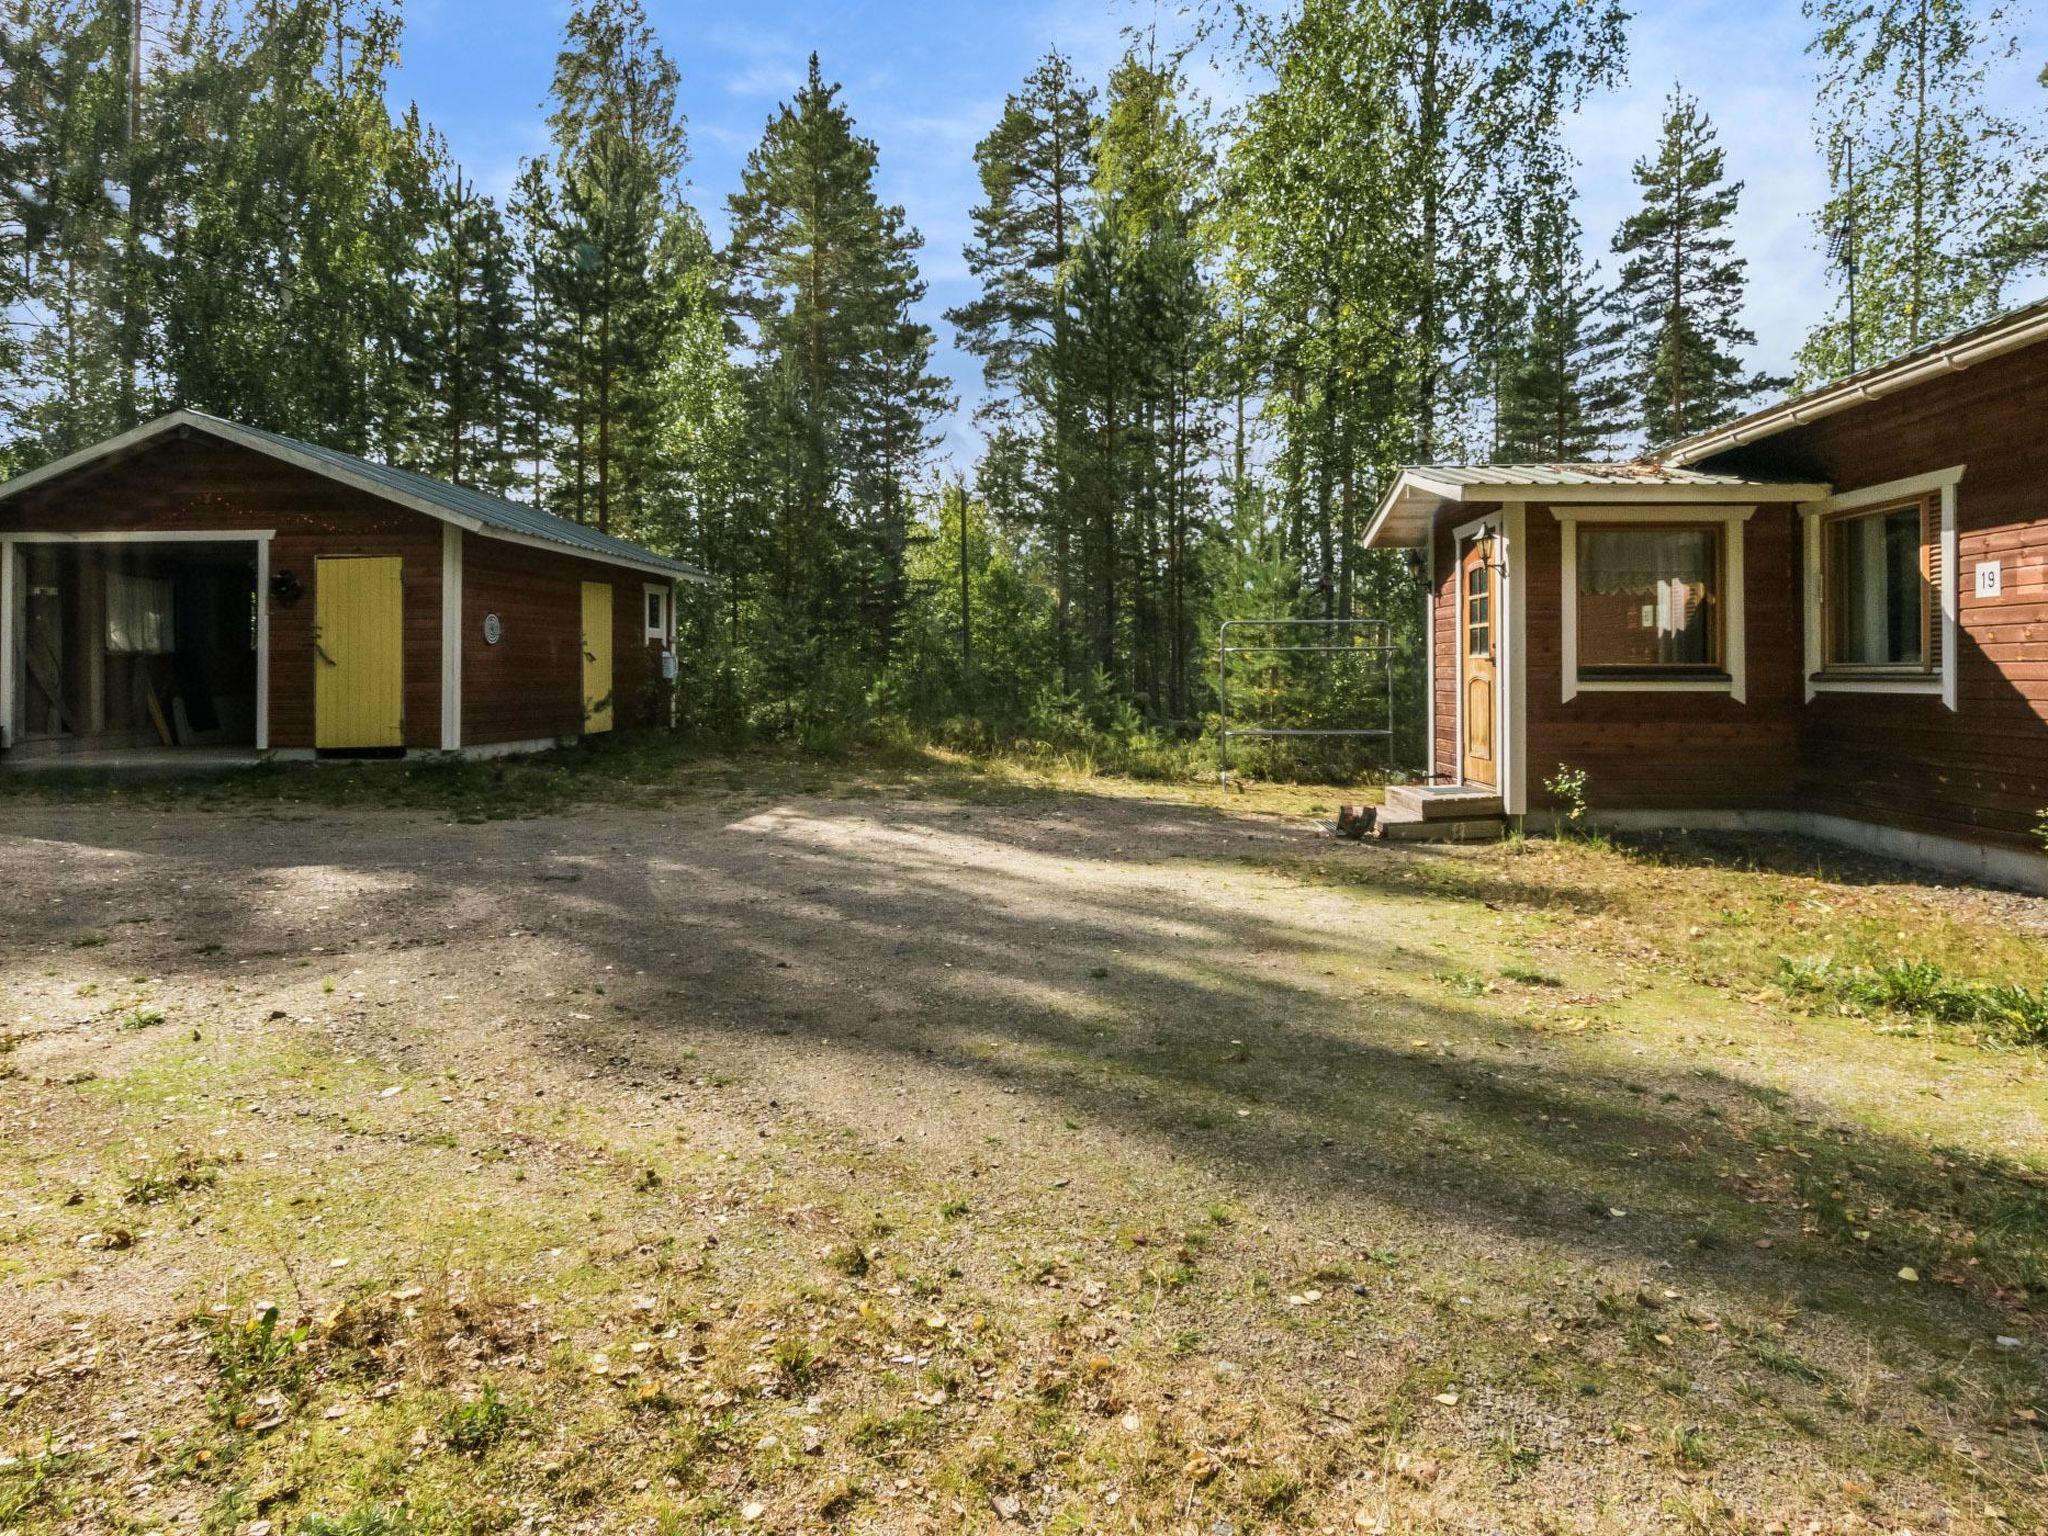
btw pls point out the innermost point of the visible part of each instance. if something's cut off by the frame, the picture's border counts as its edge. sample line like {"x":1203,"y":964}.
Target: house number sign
{"x":494,"y":631}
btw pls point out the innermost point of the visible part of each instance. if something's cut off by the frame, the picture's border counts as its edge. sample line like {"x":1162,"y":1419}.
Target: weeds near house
{"x":1921,"y":989}
{"x":1568,"y":785}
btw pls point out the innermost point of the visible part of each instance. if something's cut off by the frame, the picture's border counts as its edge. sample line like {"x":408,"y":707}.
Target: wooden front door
{"x":597,"y":656}
{"x":358,"y":653}
{"x":1476,"y":653}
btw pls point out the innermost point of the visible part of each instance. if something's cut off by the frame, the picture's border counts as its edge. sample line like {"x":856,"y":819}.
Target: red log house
{"x":1828,"y":617}
{"x":195,"y":587}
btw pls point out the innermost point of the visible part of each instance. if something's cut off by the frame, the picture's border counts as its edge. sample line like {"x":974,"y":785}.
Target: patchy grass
{"x":655,"y":770}
{"x":947,"y":1147}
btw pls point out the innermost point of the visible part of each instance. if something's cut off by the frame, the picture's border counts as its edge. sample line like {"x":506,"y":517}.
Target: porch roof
{"x":1411,"y":503}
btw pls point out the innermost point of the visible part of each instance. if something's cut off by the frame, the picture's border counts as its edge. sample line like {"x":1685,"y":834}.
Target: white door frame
{"x":14,"y":612}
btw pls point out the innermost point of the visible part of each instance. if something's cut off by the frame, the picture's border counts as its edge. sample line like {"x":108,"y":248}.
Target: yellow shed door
{"x":597,"y":656}
{"x":359,"y":653}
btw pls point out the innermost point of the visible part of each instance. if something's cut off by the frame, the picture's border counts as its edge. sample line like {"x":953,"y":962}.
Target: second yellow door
{"x":358,"y":653}
{"x":597,"y":656}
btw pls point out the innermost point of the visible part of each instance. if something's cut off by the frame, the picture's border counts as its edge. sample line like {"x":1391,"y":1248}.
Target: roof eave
{"x":1907,"y":372}
{"x":185,"y":419}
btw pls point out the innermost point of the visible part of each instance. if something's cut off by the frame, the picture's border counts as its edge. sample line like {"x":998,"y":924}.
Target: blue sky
{"x":926,"y":78}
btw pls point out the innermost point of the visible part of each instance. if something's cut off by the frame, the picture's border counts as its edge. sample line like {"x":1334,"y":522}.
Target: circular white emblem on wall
{"x":494,"y":631}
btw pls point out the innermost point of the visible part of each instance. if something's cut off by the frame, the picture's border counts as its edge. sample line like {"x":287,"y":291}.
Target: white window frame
{"x":1871,"y":497}
{"x":666,"y":630}
{"x":1735,"y":600}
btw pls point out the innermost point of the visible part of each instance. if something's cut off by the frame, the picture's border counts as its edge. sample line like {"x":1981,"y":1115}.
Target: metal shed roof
{"x":491,"y":516}
{"x":1521,"y":476}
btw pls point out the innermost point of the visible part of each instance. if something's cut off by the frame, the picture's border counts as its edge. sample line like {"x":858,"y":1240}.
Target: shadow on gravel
{"x":1053,"y":949}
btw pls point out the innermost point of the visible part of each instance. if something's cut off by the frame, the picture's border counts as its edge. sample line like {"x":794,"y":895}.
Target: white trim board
{"x":163,"y":536}
{"x":13,"y":612}
{"x":1514,"y":754}
{"x":1507,"y":525}
{"x":263,"y":644}
{"x":1429,"y":600}
{"x":1942,"y":481}
{"x":666,"y":634}
{"x":451,"y":637}
{"x":10,"y":619}
{"x":1462,"y":535}
{"x":1734,"y":580}
{"x":1412,"y":501}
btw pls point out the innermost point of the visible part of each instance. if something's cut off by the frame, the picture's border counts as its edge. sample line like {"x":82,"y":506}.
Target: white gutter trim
{"x":1839,"y":397}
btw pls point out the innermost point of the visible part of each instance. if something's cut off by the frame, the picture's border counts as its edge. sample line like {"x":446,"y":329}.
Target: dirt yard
{"x":1052,"y":1160}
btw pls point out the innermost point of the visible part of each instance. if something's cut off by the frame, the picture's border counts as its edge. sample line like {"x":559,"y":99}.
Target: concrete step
{"x":1443,"y":802}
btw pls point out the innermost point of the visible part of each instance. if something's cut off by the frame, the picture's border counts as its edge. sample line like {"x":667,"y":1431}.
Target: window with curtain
{"x":1875,"y":589}
{"x":1649,"y":598}
{"x":139,"y":615}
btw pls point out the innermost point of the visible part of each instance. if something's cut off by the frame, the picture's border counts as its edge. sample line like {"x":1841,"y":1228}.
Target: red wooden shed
{"x":195,"y":584}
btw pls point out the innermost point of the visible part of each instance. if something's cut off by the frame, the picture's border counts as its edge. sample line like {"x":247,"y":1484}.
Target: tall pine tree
{"x":472,"y":361}
{"x":601,"y":210}
{"x":1036,"y":166}
{"x":824,"y":278}
{"x":1679,"y":294}
{"x":1561,"y":396}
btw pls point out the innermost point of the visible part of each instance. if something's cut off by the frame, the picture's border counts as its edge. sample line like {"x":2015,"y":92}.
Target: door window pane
{"x":1877,"y":596}
{"x":1649,"y":598}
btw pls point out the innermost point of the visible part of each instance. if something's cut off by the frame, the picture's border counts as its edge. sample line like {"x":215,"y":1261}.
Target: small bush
{"x":473,"y":1428}
{"x":255,"y":1357}
{"x":1568,"y":786}
{"x":851,"y":1260}
{"x":178,"y":1174}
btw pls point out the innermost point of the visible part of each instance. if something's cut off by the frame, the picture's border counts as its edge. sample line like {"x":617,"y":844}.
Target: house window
{"x":1875,"y":590}
{"x":657,"y":613}
{"x":1479,"y":608}
{"x":1649,"y":599}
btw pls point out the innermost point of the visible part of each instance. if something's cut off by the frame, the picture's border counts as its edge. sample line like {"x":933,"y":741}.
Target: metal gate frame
{"x":1380,"y":645}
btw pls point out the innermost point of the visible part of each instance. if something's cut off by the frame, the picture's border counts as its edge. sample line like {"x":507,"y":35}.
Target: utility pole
{"x":966,"y":612}
{"x":1842,"y":242}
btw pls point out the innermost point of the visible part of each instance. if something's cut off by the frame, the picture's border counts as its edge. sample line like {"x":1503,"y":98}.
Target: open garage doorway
{"x":127,"y":648}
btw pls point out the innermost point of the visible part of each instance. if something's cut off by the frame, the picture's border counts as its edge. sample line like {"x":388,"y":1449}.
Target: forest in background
{"x":1208,"y":336}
